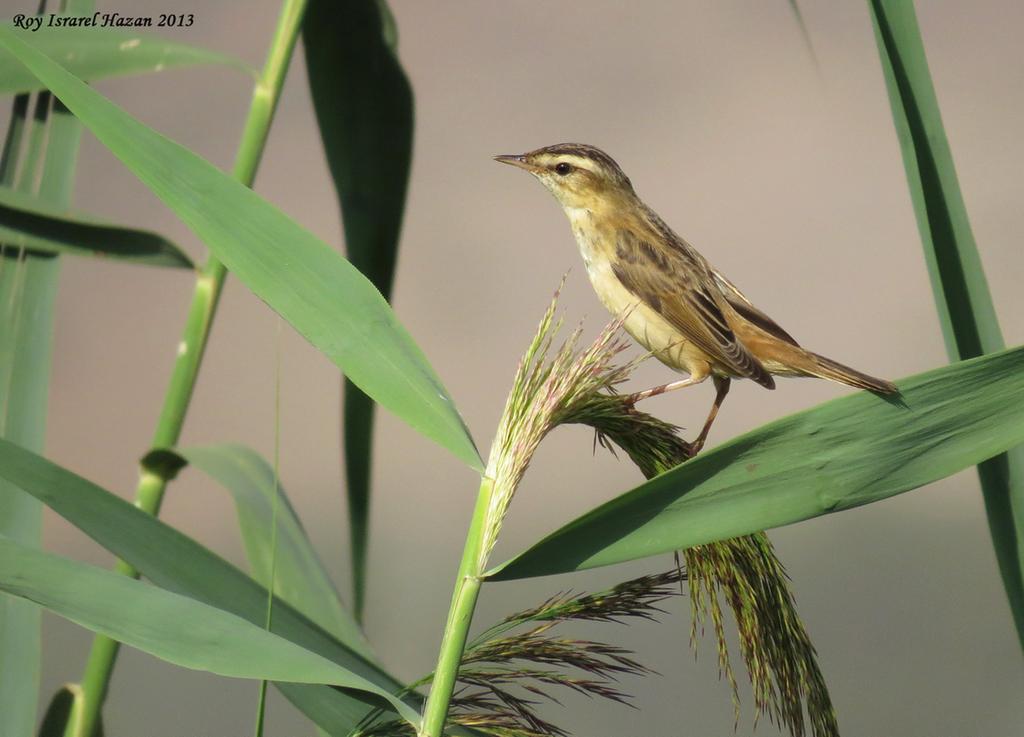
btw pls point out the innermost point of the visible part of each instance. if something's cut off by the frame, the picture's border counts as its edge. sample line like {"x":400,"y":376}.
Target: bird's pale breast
{"x":646,"y":326}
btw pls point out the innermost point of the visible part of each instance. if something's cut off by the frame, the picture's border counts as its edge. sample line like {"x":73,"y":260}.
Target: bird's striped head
{"x":578,"y":175}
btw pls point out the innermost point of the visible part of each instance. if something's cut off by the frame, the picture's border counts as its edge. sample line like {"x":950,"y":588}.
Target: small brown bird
{"x":675,"y":303}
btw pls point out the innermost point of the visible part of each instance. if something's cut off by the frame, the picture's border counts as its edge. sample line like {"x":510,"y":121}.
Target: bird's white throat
{"x":582,"y":227}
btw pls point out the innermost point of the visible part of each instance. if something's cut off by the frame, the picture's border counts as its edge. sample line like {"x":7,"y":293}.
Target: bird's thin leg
{"x":721,"y":389}
{"x":655,"y":391}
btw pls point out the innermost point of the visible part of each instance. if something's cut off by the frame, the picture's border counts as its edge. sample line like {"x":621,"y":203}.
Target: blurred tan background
{"x":789,"y":180}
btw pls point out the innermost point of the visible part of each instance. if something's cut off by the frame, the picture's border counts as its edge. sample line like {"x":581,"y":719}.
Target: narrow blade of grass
{"x":300,"y":578}
{"x":364,"y":107}
{"x":93,"y":53}
{"x":966,"y":313}
{"x":851,"y":451}
{"x":320,"y":293}
{"x":30,"y":224}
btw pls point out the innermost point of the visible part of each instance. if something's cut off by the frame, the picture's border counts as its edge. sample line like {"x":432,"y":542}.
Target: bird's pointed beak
{"x":514,"y":160}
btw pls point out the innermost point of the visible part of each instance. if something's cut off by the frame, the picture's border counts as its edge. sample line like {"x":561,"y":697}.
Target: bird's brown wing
{"x":739,"y":302}
{"x":676,"y":283}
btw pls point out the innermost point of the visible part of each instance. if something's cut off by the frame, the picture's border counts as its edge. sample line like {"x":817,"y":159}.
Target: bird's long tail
{"x":826,"y":368}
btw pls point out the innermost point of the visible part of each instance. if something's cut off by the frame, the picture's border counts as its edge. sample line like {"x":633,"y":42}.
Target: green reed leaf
{"x":851,"y":451}
{"x":177,"y":563}
{"x":966,"y":313}
{"x":27,"y":291}
{"x":30,"y":224}
{"x":28,"y":287}
{"x":320,"y":293}
{"x":364,"y":107}
{"x":170,"y":626}
{"x":92,"y":53}
{"x":300,"y":577}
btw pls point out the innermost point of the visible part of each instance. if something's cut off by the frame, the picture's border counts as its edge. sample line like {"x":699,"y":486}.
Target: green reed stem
{"x":209,"y":282}
{"x":460,"y":616}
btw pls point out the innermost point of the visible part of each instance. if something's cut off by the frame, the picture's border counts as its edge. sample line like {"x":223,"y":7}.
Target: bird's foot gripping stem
{"x":722,"y":384}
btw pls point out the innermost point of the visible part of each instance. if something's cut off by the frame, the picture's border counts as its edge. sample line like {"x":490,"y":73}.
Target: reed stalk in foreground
{"x":473,"y":685}
{"x":209,"y":283}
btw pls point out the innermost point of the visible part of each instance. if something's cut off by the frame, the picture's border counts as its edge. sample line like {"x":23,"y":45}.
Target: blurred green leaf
{"x":28,"y":287}
{"x":300,"y":577}
{"x":170,"y":626}
{"x":364,"y":107}
{"x":93,"y":53}
{"x":28,"y":223}
{"x":177,"y":563}
{"x":27,"y":291}
{"x":320,"y":293}
{"x":851,"y":451}
{"x":968,"y":317}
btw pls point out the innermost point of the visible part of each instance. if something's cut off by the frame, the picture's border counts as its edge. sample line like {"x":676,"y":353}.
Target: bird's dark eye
{"x":562,"y":169}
